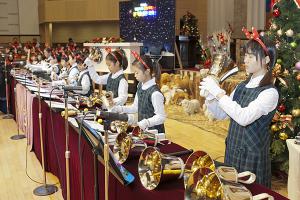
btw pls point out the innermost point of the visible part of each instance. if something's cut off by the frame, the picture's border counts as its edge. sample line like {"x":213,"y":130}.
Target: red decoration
{"x":281,"y":108}
{"x":207,"y":64}
{"x":276,"y":12}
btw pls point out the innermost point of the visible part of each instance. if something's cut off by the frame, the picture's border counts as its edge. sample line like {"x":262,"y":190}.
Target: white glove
{"x":131,"y":119}
{"x":88,"y":62}
{"x":117,"y":109}
{"x":206,"y":94}
{"x":212,"y":86}
{"x":143,"y":124}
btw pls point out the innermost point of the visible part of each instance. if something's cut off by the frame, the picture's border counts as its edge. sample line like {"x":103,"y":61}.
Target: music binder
{"x":96,"y":141}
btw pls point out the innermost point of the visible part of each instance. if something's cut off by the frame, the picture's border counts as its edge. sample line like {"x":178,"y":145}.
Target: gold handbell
{"x":204,"y":184}
{"x":155,"y":167}
{"x":207,"y":184}
{"x":118,"y":126}
{"x":198,"y":159}
{"x":126,"y":145}
{"x":107,"y":99}
{"x":135,"y":144}
{"x":96,"y":55}
{"x":70,"y":113}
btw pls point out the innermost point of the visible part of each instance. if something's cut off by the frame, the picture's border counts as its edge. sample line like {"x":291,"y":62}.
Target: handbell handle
{"x":181,"y":153}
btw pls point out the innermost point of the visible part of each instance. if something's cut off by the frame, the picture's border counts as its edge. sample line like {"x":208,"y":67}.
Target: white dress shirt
{"x":102,"y":80}
{"x":85,"y":82}
{"x":265,"y":102}
{"x":158,"y":104}
{"x":73,"y":75}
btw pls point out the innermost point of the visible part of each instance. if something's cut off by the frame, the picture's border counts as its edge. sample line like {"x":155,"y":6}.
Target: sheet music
{"x":47,"y":95}
{"x":73,"y":121}
{"x":60,"y":105}
{"x":35,"y":89}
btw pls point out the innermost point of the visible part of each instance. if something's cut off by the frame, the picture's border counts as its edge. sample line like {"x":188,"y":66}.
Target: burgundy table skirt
{"x":54,"y":145}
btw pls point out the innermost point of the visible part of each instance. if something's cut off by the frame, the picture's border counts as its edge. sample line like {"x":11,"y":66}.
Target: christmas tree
{"x":188,"y":25}
{"x":285,"y":31}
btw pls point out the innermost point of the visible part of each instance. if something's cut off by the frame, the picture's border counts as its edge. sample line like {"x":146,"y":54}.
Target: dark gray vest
{"x":247,"y":147}
{"x":113,"y":84}
{"x":145,"y":106}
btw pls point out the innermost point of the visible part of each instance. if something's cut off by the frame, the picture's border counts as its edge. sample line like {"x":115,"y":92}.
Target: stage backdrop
{"x":151,"y":22}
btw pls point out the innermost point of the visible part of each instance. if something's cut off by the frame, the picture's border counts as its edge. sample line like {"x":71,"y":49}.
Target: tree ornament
{"x":283,"y":136}
{"x":281,"y":108}
{"x":286,"y":73}
{"x":298,"y":77}
{"x":279,"y":32}
{"x":274,"y":128}
{"x":289,"y":33}
{"x":293,"y":45}
{"x":276,"y":12}
{"x":296,"y":112}
{"x":297,"y":66}
{"x":279,"y":61}
{"x":274,"y":26}
{"x":276,"y":117}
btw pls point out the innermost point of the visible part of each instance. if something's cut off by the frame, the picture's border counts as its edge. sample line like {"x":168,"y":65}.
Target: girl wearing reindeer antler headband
{"x":115,"y":81}
{"x":250,"y":107}
{"x":148,"y":101}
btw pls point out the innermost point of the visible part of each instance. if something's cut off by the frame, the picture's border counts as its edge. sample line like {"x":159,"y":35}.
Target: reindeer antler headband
{"x":108,"y":50}
{"x":255,"y":36}
{"x":138,"y":57}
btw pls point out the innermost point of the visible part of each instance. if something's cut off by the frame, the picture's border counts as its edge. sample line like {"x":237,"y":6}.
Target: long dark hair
{"x":118,"y":55}
{"x":255,"y":48}
{"x":154,"y":67}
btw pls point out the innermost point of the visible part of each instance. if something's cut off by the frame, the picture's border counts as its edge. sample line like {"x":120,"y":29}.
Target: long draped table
{"x":54,"y":148}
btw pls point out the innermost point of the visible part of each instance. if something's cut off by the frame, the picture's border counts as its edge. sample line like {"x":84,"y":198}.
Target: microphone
{"x":18,"y":62}
{"x":39,"y":71}
{"x":69,"y":87}
{"x":110,"y":115}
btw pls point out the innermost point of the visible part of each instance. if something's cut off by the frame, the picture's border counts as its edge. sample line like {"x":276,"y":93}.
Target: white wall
{"x":256,"y":14}
{"x":220,"y":12}
{"x":19,"y":17}
{"x":28,"y":17}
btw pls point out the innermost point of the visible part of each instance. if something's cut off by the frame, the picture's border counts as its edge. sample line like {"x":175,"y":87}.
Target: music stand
{"x":98,"y":145}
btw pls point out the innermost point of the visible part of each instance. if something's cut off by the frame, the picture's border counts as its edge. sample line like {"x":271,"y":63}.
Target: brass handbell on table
{"x":131,"y":144}
{"x":155,"y":167}
{"x":198,"y":159}
{"x":206,"y":184}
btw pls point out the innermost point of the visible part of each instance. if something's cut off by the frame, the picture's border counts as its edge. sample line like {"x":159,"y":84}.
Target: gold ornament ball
{"x":274,"y":128}
{"x":298,"y":77}
{"x":85,"y":110}
{"x":100,"y":121}
{"x":296,"y":112}
{"x":286,"y":73}
{"x":283,"y":136}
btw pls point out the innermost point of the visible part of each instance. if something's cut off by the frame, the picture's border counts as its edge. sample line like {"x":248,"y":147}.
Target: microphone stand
{"x":106,"y":158}
{"x":7,"y":115}
{"x":45,"y":189}
{"x":67,"y":152}
{"x":18,"y":136}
